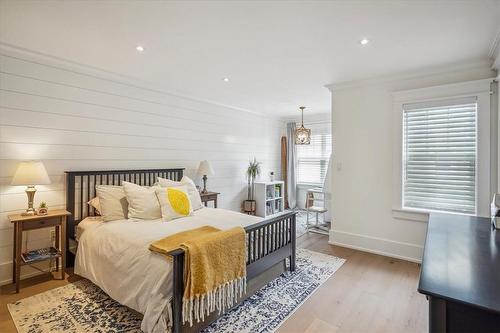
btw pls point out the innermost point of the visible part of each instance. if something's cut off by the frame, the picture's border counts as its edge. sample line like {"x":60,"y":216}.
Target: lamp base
{"x":30,"y":192}
{"x":204,"y":191}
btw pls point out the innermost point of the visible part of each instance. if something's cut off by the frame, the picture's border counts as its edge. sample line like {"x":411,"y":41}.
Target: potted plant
{"x":253,"y":171}
{"x":43,"y":210}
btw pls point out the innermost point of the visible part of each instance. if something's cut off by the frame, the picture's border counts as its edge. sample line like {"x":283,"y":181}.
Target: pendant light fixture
{"x":302,"y":134}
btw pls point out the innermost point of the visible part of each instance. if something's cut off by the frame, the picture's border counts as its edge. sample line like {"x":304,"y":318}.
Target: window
{"x":312,"y":159}
{"x":440,"y":156}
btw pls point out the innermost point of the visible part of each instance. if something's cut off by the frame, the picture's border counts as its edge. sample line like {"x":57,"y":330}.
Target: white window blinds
{"x":439,"y":155}
{"x":312,"y":159}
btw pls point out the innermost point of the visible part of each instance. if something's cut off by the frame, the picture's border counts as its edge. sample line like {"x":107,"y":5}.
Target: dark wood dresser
{"x":460,"y":274}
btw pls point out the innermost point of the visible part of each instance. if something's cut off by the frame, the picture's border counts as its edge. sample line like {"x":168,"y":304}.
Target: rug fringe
{"x":222,"y":298}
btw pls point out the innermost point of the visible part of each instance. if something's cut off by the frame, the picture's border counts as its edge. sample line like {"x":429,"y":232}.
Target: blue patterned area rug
{"x":82,"y":307}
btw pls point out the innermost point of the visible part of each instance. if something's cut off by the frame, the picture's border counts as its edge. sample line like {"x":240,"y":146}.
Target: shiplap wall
{"x":77,"y":118}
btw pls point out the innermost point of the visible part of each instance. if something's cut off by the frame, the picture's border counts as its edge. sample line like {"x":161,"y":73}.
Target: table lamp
{"x":205,"y":169}
{"x":30,"y":174}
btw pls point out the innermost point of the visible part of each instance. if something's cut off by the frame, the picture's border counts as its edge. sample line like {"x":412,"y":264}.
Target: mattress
{"x":115,"y":256}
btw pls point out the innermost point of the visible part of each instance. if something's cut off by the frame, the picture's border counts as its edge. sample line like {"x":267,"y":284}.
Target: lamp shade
{"x":31,"y":173}
{"x":205,"y":169}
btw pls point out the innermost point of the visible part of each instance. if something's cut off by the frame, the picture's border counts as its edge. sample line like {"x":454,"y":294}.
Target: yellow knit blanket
{"x":215,"y":268}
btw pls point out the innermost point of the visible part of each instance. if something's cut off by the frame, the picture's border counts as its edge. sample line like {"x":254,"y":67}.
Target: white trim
{"x":496,"y":65}
{"x":376,"y":245}
{"x":20,"y":53}
{"x":445,"y":91}
{"x":478,"y":88}
{"x":28,"y":271}
{"x":402,"y":76}
{"x":495,"y":47}
{"x":410,"y":215}
{"x":309,"y":185}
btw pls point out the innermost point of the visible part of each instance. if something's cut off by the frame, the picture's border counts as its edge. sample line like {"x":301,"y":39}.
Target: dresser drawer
{"x":49,"y":222}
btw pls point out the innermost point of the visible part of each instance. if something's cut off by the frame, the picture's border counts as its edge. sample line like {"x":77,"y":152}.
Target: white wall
{"x":496,"y":66}
{"x":362,"y":179}
{"x":77,"y":118}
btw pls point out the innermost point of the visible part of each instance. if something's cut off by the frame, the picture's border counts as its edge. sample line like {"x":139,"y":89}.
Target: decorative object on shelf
{"x":302,"y":134}
{"x":43,"y":210}
{"x":205,"y":169}
{"x":271,"y":176}
{"x":495,"y":211}
{"x":30,"y":174}
{"x":40,"y":254}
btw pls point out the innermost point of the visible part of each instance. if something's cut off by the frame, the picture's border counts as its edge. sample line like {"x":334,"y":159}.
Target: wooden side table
{"x":54,"y":219}
{"x":209,"y":196}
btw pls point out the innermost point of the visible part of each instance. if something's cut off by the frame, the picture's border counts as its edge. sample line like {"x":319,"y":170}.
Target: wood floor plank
{"x":369,"y":293}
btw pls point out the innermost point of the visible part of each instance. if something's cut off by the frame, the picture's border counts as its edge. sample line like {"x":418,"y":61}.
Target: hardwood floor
{"x":369,"y":293}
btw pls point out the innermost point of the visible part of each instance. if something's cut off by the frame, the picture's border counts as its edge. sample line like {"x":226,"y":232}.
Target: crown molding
{"x":416,"y":74}
{"x":444,"y":90}
{"x":102,"y":74}
{"x":313,"y":118}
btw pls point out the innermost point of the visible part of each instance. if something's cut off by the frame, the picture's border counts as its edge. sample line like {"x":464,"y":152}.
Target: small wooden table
{"x":55,"y":218}
{"x":209,"y":196}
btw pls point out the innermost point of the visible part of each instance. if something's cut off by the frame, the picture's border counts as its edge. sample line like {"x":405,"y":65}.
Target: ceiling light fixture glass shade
{"x":302,"y":134}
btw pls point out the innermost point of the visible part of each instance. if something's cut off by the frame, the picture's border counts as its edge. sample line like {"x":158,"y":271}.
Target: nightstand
{"x":209,"y":196}
{"x":54,"y":219}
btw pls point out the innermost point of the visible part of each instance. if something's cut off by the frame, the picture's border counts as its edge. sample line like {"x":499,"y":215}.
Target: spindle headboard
{"x":80,"y":187}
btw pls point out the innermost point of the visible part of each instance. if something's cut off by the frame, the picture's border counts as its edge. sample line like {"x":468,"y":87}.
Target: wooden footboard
{"x":268,"y":243}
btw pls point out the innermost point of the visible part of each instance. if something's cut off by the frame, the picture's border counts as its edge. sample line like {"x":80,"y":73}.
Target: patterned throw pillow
{"x":174,"y":202}
{"x":192,"y":191}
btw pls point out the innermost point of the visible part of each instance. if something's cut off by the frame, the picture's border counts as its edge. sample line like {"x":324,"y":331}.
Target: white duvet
{"x":115,"y":256}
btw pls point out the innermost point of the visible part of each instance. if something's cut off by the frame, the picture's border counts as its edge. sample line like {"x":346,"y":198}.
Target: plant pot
{"x":249,"y":206}
{"x":43,"y":211}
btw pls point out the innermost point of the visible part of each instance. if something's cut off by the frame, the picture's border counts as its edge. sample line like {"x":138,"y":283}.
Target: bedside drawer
{"x":209,"y":197}
{"x":49,"y":222}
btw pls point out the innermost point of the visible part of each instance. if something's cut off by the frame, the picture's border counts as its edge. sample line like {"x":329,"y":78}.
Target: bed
{"x":114,"y":255}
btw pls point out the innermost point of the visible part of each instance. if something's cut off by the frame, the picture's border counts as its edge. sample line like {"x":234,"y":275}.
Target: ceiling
{"x":277,"y":54}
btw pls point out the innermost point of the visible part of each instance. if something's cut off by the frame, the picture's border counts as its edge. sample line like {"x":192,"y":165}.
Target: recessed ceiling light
{"x":364,"y":41}
{"x":226,"y":79}
{"x":139,"y":48}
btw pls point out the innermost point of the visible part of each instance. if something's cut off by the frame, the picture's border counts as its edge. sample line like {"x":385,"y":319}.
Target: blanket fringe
{"x":221,"y":299}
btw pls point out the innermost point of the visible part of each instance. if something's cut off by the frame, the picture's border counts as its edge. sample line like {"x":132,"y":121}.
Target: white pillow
{"x":192,"y":191}
{"x":142,"y":202}
{"x":164,"y":182}
{"x":174,"y":202}
{"x":113,"y":202}
{"x":96,"y":204}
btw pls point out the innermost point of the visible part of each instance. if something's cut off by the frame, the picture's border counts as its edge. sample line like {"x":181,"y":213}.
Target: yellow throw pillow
{"x":192,"y":191}
{"x":174,"y":202}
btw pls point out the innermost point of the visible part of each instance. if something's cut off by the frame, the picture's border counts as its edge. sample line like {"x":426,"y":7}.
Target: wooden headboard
{"x":80,"y":186}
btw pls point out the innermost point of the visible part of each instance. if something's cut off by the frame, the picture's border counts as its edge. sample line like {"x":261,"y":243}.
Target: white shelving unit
{"x":269,"y":197}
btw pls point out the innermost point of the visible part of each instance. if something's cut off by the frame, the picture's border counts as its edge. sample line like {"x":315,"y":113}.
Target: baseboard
{"x":381,"y":246}
{"x":26,"y":271}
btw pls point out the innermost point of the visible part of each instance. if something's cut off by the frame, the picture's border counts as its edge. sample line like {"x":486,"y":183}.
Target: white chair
{"x":313,"y":196}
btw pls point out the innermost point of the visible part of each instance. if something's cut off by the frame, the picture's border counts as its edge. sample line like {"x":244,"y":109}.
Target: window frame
{"x":480,"y":89}
{"x":326,"y":142}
